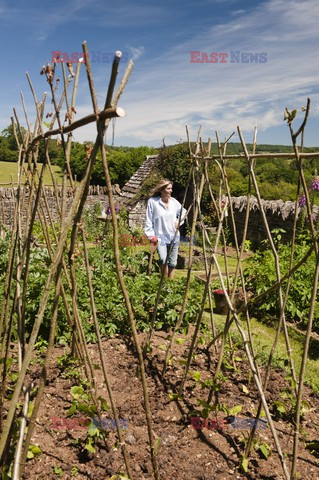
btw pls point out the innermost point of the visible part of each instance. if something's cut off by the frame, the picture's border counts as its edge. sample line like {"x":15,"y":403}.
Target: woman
{"x":161,"y":224}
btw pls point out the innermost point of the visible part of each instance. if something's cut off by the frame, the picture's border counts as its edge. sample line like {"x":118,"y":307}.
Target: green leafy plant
{"x":33,"y":451}
{"x":74,"y":471}
{"x":285,"y":406}
{"x":81,"y":401}
{"x":260,"y":275}
{"x":69,"y":366}
{"x":57,"y":470}
{"x":263,"y":449}
{"x":313,"y":447}
{"x":260,"y":446}
{"x":111,"y":310}
{"x":41,"y":346}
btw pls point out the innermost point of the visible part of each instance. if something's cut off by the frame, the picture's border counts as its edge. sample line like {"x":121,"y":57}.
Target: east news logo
{"x":231,"y":57}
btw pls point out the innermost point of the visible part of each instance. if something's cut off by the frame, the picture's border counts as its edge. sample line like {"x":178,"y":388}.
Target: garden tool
{"x":152,"y":250}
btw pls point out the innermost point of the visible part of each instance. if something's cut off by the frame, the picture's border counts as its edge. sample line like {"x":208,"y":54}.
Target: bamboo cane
{"x":80,"y":193}
{"x":152,"y":441}
{"x":104,"y":369}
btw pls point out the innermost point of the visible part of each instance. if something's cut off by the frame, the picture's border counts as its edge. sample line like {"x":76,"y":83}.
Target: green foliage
{"x":285,"y":406}
{"x":279,"y":190}
{"x":9,"y":148}
{"x":8,"y":144}
{"x":174,"y":164}
{"x":4,"y":249}
{"x":39,"y":262}
{"x":33,"y":451}
{"x":94,"y":228}
{"x":6,"y":154}
{"x":260,"y":276}
{"x":277,"y":177}
{"x":142,"y":291}
{"x":122,"y":163}
{"x":69,"y":367}
{"x":244,"y":464}
{"x":81,"y":401}
{"x":56,"y":153}
{"x":41,"y":346}
{"x":263,"y":449}
{"x":260,"y":446}
{"x":38,"y":270}
{"x":110,"y":305}
{"x":57,"y":470}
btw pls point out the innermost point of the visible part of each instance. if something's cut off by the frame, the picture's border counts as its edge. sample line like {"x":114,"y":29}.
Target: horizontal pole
{"x":263,"y":155}
{"x":103,"y":115}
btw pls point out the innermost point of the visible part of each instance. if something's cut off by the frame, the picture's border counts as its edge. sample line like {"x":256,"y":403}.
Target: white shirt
{"x":160,"y":221}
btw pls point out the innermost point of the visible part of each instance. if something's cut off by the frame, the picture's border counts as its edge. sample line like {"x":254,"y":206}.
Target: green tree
{"x":122,"y":162}
{"x":174,"y":164}
{"x":8,"y":134}
{"x":8,"y":144}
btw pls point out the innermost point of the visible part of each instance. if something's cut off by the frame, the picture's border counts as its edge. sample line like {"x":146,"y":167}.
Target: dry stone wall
{"x":279,"y":214}
{"x":8,"y":195}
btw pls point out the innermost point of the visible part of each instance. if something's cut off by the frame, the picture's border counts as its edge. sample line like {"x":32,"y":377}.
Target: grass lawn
{"x":8,"y":173}
{"x":263,"y":337}
{"x":231,"y":263}
{"x":179,"y":272}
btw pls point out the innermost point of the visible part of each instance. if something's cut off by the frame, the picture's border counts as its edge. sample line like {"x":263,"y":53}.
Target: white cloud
{"x":166,"y":91}
{"x":170,"y":91}
{"x":135,"y":52}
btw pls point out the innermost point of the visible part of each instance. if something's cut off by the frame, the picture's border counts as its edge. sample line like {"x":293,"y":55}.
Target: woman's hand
{"x":153,"y":240}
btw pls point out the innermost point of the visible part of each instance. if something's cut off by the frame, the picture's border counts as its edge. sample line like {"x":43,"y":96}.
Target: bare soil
{"x":185,"y":453}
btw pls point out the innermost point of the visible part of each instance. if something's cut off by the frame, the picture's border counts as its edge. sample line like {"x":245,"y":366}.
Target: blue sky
{"x":167,"y":91}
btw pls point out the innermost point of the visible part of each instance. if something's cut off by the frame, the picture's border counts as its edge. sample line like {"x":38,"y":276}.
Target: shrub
{"x":260,"y":275}
{"x":110,"y":305}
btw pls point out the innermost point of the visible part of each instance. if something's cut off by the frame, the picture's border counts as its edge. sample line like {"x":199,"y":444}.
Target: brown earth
{"x":184,"y":453}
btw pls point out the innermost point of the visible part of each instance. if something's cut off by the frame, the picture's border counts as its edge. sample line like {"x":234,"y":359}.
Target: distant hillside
{"x":234,"y":148}
{"x":123,"y":161}
{"x":9,"y":174}
{"x":277,"y":177}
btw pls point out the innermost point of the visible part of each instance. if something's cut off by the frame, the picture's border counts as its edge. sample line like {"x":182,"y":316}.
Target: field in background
{"x":9,"y":174}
